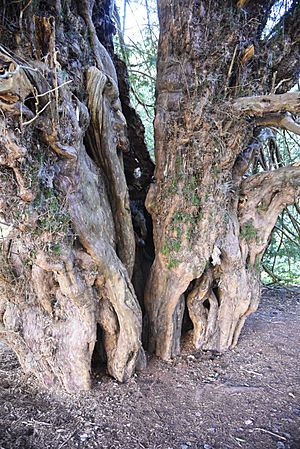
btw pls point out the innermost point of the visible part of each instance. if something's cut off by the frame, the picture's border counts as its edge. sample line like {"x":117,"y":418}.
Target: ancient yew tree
{"x":218,"y":82}
{"x":76,"y":238}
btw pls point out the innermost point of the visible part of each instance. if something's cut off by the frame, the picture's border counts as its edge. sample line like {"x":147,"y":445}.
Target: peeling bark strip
{"x":107,"y":122}
{"x":210,"y":228}
{"x":67,"y":241}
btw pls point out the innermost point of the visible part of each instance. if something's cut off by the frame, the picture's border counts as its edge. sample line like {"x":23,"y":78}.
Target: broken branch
{"x":280,"y":121}
{"x":267,"y":104}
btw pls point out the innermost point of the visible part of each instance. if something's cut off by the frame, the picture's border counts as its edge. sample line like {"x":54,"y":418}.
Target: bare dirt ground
{"x":248,"y":398}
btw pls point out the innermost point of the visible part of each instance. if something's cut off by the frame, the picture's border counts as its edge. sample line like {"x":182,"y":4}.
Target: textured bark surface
{"x":76,"y":242}
{"x":209,"y":233}
{"x":67,"y":239}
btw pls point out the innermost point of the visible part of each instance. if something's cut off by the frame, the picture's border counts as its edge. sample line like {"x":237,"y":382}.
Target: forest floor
{"x":247,"y":398}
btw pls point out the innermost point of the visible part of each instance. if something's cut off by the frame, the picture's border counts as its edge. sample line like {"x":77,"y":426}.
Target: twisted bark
{"x":208,"y":248}
{"x":67,"y":245}
{"x":67,"y":240}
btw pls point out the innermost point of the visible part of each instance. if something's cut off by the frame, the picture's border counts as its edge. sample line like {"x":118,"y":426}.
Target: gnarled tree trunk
{"x":67,"y":239}
{"x":72,"y":261}
{"x":211,"y":224}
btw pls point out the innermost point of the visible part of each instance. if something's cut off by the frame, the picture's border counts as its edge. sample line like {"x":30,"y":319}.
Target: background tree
{"x":281,"y":260}
{"x":138,"y":48}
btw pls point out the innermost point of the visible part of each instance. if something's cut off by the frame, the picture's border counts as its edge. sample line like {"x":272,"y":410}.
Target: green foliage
{"x":281,"y":261}
{"x":173,"y":186}
{"x":173,"y":263}
{"x":166,"y":250}
{"x":52,"y":216}
{"x":248,"y":231}
{"x":139,"y":52}
{"x":171,"y":246}
{"x":56,"y":249}
{"x":190,"y":191}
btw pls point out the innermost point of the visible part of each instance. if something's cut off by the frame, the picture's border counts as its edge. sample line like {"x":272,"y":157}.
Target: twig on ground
{"x":272,"y":388}
{"x":251,"y":372}
{"x":235,"y":441}
{"x":270,"y":433}
{"x":68,"y":438}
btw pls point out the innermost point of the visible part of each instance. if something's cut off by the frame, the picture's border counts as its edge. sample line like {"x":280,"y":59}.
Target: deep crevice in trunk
{"x":99,"y":357}
{"x":139,"y":171}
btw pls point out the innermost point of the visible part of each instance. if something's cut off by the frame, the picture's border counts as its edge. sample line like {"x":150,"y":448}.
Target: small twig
{"x":231,"y":67}
{"x":67,"y":439}
{"x":270,"y":433}
{"x":22,"y":13}
{"x":33,"y":421}
{"x":295,"y":223}
{"x":234,"y":439}
{"x":273,"y":83}
{"x":280,"y":83}
{"x":272,"y":388}
{"x":286,"y":234}
{"x":145,"y":106}
{"x":142,"y":73}
{"x":50,"y":91}
{"x":279,"y":245}
{"x":37,"y":115}
{"x":26,"y":67}
{"x":273,"y":276}
{"x":251,"y":372}
{"x":55,"y":88}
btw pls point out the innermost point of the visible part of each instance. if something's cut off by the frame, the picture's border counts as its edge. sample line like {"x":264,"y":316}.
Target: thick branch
{"x":273,"y":181}
{"x":280,"y":121}
{"x":267,"y":104}
{"x":263,"y":196}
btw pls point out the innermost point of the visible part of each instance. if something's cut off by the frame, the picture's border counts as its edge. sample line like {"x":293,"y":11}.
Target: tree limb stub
{"x":280,"y":121}
{"x":267,"y":104}
{"x":276,"y":179}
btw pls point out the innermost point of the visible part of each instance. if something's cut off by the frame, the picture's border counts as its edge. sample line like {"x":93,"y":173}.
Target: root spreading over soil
{"x":248,"y":398}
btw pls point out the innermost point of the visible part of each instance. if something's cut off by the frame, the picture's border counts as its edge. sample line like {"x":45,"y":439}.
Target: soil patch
{"x":247,"y":398}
